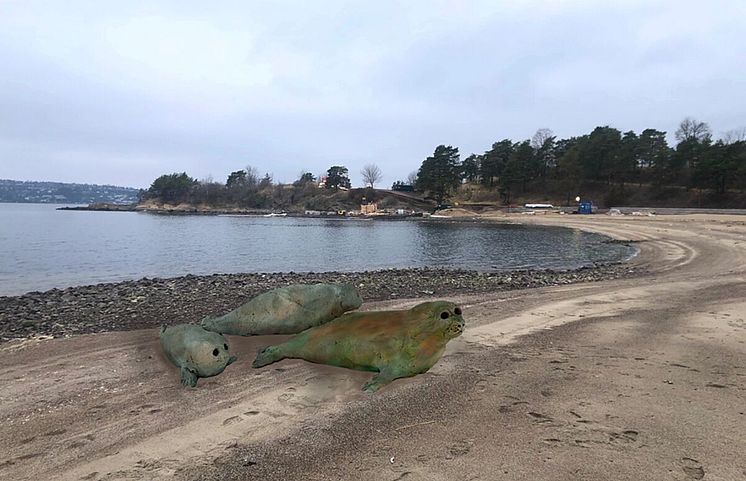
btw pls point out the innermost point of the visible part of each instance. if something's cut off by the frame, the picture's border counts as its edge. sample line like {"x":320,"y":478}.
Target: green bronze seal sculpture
{"x":195,"y":351}
{"x":393,"y":343}
{"x":287,"y":310}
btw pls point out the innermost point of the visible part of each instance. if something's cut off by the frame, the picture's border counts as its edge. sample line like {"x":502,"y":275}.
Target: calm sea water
{"x":42,"y":248}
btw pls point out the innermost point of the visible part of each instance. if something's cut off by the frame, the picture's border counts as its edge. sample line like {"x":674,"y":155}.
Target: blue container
{"x":585,"y":208}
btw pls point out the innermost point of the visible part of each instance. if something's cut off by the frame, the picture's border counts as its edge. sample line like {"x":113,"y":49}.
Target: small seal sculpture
{"x":394,"y":343}
{"x":195,"y":351}
{"x":287,"y":310}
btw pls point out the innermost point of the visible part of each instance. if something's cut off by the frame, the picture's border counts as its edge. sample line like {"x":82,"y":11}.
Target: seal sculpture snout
{"x":453,"y":321}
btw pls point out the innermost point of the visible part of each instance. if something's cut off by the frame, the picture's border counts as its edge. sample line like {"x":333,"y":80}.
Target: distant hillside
{"x":63,"y":193}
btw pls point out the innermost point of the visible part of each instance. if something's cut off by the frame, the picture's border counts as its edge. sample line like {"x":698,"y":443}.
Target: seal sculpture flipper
{"x":188,"y":378}
{"x":287,"y":310}
{"x":196,"y":352}
{"x":380,"y":380}
{"x":267,"y":356}
{"x":393,"y":343}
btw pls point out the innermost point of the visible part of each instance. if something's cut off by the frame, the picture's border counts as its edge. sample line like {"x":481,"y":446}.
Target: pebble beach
{"x":151,"y":302}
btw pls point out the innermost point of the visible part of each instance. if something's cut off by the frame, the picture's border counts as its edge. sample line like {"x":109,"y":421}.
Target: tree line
{"x":246,"y":188}
{"x":606,"y":155}
{"x":543,"y":164}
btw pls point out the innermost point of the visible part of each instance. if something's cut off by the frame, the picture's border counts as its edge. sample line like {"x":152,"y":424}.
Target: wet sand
{"x":639,"y":378}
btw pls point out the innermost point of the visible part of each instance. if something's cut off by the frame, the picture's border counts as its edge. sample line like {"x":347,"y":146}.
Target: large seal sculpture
{"x":287,"y":310}
{"x":195,"y":351}
{"x":394,"y":343}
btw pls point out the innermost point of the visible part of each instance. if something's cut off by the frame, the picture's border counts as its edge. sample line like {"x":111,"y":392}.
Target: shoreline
{"x":151,"y":302}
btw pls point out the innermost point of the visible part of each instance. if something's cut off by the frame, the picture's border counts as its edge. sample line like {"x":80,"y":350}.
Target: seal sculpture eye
{"x":444,"y":315}
{"x":225,"y":346}
{"x":214,"y":352}
{"x":457,"y":311}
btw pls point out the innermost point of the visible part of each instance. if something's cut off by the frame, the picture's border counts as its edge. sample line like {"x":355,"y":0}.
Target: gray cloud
{"x":97,"y":92}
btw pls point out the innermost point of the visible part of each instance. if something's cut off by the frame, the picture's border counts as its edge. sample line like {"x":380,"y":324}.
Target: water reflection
{"x":42,"y":248}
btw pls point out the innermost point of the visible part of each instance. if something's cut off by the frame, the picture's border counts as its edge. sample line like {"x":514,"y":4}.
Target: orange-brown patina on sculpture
{"x":394,"y":343}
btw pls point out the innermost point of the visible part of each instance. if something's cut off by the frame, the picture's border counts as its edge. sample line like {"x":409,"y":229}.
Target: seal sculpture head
{"x":287,"y":310}
{"x":443,"y":315}
{"x":195,"y":351}
{"x":349,"y":298}
{"x":393,"y":343}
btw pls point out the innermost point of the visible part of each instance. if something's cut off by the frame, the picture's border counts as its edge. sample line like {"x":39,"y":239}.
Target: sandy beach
{"x":625,"y":379}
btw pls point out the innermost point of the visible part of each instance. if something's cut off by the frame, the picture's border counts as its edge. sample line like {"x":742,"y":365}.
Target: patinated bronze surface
{"x":287,"y":310}
{"x":195,"y":351}
{"x":393,"y":343}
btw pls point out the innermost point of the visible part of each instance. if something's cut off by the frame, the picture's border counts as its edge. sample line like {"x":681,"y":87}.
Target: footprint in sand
{"x":628,"y":436}
{"x":138,"y":409}
{"x":232,"y":420}
{"x":29,"y":456}
{"x":422,"y":458}
{"x":285,"y":397}
{"x":81,"y":442}
{"x":459,"y":448}
{"x":539,"y":418}
{"x":692,"y":468}
{"x":716,"y":385}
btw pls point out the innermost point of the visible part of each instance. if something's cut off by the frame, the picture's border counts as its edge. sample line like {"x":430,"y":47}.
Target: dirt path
{"x":629,"y":379}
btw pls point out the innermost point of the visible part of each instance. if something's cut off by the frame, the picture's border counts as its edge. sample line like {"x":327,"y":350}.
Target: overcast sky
{"x":122,"y":92}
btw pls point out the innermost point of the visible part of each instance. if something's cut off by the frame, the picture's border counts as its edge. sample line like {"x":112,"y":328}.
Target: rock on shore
{"x":151,"y":302}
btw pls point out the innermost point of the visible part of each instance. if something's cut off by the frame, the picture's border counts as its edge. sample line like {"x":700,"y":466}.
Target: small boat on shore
{"x":273,"y":214}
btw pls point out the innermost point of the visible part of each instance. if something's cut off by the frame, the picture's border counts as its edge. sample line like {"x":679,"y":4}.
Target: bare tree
{"x":540,"y":137}
{"x":735,"y":135}
{"x":209,"y":191}
{"x":252,"y":176}
{"x":691,"y":129}
{"x":371,"y":174}
{"x":412,"y":178}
